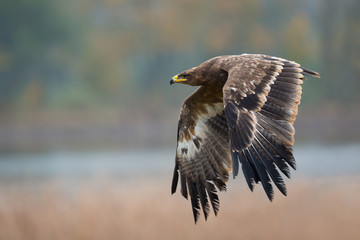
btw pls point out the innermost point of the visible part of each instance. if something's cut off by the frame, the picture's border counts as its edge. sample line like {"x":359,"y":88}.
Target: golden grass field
{"x":314,"y":209}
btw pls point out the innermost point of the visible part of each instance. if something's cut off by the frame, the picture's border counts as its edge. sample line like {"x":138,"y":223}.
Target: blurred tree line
{"x":116,"y":53}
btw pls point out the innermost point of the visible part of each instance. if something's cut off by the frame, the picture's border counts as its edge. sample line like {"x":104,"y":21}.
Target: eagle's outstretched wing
{"x":261,"y":98}
{"x":203,"y":150}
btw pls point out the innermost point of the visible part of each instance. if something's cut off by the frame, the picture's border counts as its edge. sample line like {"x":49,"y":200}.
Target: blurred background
{"x":88,"y":120}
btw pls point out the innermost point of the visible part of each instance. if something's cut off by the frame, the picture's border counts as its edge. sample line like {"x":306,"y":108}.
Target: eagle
{"x":241,"y":115}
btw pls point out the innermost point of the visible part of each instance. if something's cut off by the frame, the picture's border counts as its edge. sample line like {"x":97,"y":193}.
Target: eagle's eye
{"x":183,"y":75}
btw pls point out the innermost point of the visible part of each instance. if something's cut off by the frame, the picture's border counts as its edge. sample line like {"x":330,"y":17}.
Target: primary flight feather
{"x":243,"y":112}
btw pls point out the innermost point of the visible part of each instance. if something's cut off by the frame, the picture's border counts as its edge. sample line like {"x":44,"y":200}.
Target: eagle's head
{"x":207,"y":73}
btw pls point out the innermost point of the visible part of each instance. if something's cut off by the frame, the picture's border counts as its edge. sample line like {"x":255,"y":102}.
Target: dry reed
{"x":316,"y":209}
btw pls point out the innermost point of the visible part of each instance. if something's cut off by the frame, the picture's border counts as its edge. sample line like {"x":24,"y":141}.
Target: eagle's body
{"x":244,"y":112}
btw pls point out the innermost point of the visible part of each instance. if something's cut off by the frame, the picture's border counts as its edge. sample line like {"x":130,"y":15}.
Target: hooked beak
{"x":176,"y":79}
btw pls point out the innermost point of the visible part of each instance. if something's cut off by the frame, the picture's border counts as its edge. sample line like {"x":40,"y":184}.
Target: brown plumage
{"x":244,"y":112}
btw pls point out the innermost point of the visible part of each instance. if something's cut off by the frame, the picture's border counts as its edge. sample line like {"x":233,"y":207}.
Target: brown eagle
{"x":244,"y":112}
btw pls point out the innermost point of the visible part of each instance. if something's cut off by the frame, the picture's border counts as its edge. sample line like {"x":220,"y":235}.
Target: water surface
{"x":312,"y":161}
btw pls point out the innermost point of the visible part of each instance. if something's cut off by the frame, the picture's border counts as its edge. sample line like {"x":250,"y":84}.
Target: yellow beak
{"x":176,"y":79}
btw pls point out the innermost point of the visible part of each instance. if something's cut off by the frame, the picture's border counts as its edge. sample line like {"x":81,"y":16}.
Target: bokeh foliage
{"x":66,"y":54}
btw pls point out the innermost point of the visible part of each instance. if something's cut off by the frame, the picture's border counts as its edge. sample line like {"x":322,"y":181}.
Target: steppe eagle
{"x":243,"y":112}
